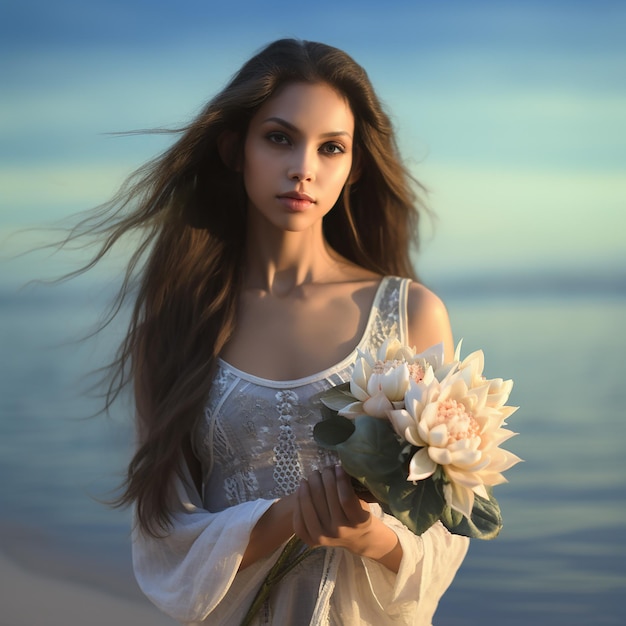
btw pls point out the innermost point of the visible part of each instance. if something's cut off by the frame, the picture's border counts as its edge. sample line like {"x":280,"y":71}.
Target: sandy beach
{"x":28,"y":598}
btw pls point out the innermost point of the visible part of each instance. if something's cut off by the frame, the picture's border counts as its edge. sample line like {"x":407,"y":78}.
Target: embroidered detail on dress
{"x":386,"y":321}
{"x":223,"y":379}
{"x":240,"y":485}
{"x":325,"y":458}
{"x":222,"y":450}
{"x":287,"y":471}
{"x":327,"y":586}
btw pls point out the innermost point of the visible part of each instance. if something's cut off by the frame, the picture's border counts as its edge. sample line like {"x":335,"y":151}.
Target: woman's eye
{"x":278,"y":138}
{"x":332,"y":148}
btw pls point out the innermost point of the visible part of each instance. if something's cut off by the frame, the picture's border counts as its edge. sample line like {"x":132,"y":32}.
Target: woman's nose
{"x":302,"y":166}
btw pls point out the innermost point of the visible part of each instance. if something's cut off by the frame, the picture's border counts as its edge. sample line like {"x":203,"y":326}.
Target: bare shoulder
{"x":428,"y":320}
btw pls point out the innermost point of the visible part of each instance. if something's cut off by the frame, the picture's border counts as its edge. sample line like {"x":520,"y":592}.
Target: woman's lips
{"x":296,"y":201}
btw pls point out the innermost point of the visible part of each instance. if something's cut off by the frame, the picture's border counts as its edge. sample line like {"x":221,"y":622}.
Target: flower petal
{"x":441,"y":456}
{"x":465,"y":458}
{"x":421,"y":466}
{"x":457,"y":351}
{"x":459,"y":498}
{"x":438,"y":436}
{"x":422,"y":428}
{"x":502,"y":460}
{"x":480,"y":490}
{"x":388,"y":349}
{"x":395,"y":382}
{"x":405,"y":426}
{"x":497,"y":400}
{"x":445,"y":371}
{"x":475,"y":362}
{"x":378,"y":405}
{"x":358,"y":381}
{"x":503,"y":413}
{"x":352,"y":410}
{"x":414,"y":393}
{"x":429,"y":415}
{"x":374,"y":384}
{"x":405,"y":354}
{"x":471,"y":443}
{"x":496,"y":438}
{"x":467,"y":479}
{"x":434,"y":356}
{"x":491,"y":479}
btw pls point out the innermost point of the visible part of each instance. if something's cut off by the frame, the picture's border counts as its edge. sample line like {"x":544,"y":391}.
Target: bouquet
{"x":423,"y":436}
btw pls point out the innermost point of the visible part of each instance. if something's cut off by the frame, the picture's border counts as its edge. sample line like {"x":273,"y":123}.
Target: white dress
{"x":255,"y":444}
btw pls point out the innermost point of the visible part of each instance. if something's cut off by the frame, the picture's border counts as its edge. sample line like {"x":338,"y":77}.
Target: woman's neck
{"x":279,"y":262}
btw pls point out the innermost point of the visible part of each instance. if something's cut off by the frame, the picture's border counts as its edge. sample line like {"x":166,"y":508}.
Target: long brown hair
{"x":189,"y":207}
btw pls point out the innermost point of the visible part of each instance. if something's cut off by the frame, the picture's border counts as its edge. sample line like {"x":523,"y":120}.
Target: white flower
{"x":380,"y":381}
{"x":472,"y":367}
{"x":457,"y":424}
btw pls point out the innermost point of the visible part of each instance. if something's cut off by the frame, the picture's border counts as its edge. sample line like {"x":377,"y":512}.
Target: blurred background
{"x":512,"y":114}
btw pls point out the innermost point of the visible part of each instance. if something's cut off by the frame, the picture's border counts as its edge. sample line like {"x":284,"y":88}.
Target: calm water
{"x":561,"y":557}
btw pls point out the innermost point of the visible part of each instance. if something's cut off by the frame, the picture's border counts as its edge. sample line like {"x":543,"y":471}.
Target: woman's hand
{"x":328,"y":512}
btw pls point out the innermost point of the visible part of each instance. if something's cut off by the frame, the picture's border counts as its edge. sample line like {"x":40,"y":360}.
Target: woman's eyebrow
{"x":295,"y":129}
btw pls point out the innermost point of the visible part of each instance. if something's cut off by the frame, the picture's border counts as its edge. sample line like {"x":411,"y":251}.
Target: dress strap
{"x":389,"y":312}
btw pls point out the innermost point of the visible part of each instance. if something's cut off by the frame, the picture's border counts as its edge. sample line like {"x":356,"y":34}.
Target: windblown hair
{"x":189,"y":208}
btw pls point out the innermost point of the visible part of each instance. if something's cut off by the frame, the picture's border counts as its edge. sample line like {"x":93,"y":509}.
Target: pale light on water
{"x":561,"y":555}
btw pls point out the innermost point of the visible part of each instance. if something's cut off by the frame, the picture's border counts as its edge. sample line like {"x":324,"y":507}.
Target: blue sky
{"x":512,"y":113}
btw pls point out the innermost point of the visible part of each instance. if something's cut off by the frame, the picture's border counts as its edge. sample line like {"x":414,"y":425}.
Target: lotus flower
{"x":380,"y":381}
{"x":456,"y":422}
{"x":473,"y":366}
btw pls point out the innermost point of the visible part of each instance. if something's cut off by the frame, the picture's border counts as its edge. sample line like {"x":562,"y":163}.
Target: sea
{"x":561,"y":556}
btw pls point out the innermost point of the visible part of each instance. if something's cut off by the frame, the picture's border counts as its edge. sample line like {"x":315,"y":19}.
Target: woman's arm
{"x":428,"y":321}
{"x":274,"y":527}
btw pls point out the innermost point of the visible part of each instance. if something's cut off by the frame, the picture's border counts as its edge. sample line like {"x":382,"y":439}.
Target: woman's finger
{"x":305,"y":521}
{"x":336,"y":515}
{"x":350,"y":503}
{"x":317,"y":493}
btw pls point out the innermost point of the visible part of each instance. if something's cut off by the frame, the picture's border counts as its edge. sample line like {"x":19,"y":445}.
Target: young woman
{"x":276,"y":239}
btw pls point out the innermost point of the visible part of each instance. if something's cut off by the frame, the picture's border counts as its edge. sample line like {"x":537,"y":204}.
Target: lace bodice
{"x":256,"y":437}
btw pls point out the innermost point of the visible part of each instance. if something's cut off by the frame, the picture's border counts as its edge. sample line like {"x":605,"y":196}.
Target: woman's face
{"x":298,"y":155}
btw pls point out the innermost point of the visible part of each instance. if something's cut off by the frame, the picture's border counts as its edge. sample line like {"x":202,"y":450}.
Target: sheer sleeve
{"x":188,"y":572}
{"x":410,"y":597}
{"x":191,"y":574}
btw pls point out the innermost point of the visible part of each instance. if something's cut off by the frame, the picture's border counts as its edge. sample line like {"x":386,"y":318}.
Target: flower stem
{"x":282,"y":567}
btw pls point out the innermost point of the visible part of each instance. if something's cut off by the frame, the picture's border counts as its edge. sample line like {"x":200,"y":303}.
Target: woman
{"x":276,"y":236}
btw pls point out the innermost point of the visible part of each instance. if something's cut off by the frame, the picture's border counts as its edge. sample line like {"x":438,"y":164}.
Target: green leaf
{"x":338,"y":398}
{"x":418,"y":506}
{"x":373,"y":455}
{"x":330,"y":432}
{"x":485,"y":522}
{"x":327,"y":413}
{"x":372,"y":451}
